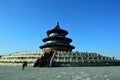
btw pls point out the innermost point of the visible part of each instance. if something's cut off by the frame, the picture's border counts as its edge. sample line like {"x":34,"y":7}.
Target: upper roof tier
{"x":57,"y":38}
{"x":57,"y":29}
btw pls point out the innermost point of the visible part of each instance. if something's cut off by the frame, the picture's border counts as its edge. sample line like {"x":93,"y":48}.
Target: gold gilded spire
{"x":57,"y":23}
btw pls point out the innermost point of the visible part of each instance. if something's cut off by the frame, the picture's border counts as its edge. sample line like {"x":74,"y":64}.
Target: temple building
{"x":56,"y":40}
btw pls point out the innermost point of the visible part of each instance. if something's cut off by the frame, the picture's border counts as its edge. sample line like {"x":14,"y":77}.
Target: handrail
{"x":52,"y":59}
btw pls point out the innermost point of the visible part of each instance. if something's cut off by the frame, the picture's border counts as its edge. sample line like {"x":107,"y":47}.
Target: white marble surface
{"x":61,"y":73}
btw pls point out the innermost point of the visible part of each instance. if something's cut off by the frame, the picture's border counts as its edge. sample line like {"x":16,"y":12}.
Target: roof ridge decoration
{"x":57,"y":26}
{"x":57,"y":23}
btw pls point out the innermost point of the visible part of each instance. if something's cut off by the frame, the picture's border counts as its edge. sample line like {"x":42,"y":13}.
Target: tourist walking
{"x":24,"y":65}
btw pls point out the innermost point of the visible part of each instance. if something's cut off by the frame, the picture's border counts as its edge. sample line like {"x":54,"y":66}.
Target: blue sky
{"x":94,"y":25}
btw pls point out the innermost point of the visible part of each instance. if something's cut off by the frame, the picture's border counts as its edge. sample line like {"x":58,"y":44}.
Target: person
{"x":24,"y":65}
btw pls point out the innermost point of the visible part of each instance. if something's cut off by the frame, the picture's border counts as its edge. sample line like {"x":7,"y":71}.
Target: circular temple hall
{"x":56,"y":40}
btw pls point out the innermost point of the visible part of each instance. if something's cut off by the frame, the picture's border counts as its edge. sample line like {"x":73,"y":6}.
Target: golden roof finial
{"x":57,"y":23}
